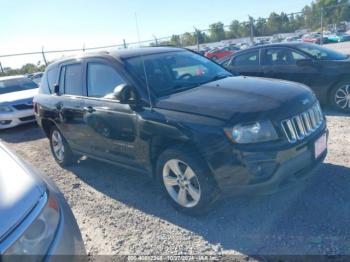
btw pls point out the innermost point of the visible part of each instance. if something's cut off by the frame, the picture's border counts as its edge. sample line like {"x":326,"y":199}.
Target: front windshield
{"x":322,"y":53}
{"x":16,"y":84}
{"x":173,"y":72}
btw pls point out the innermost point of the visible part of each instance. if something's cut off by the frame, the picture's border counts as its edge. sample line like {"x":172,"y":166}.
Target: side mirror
{"x":125,"y":94}
{"x":305,"y":62}
{"x":56,"y":89}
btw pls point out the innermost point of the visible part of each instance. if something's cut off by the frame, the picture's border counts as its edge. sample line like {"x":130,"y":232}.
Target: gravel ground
{"x":340,"y":47}
{"x":123,"y":213}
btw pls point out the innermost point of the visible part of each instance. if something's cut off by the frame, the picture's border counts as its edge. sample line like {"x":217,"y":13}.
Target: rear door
{"x":69,"y":105}
{"x":109,"y":124}
{"x":247,"y":64}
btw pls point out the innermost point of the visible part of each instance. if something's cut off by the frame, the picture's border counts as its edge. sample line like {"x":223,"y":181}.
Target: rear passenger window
{"x":52,"y":78}
{"x":102,"y":79}
{"x":248,"y":59}
{"x":73,"y":80}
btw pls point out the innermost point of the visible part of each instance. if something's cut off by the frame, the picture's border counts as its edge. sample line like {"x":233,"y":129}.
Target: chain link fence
{"x":317,"y":21}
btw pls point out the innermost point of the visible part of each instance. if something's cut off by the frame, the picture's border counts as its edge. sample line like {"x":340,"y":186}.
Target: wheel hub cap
{"x":342,"y":97}
{"x":181,"y":183}
{"x":57,"y":145}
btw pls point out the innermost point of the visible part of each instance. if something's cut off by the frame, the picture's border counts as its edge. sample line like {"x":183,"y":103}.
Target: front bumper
{"x":16,"y":118}
{"x":266,"y":172}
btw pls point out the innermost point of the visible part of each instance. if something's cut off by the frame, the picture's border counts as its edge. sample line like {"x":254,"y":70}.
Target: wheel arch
{"x":342,"y":79}
{"x":160,"y":144}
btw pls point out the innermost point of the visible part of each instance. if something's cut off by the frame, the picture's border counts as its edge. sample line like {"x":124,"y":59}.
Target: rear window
{"x":16,"y":84}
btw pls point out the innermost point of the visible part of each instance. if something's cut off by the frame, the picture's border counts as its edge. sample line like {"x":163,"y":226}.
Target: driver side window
{"x":101,"y":79}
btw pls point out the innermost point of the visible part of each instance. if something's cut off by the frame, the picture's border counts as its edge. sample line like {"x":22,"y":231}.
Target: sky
{"x":29,"y":25}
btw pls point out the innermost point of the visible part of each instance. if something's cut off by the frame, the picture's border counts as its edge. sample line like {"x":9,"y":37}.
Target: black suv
{"x":183,"y":120}
{"x":325,"y":71}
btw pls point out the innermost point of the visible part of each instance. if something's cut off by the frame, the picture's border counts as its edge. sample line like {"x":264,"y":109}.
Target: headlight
{"x":38,"y":237}
{"x":5,"y":109}
{"x":256,"y":132}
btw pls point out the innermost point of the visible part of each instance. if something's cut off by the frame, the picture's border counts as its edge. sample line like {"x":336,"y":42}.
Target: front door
{"x":281,"y":63}
{"x":109,"y":124}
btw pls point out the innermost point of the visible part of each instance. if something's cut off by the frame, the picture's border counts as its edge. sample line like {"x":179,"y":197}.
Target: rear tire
{"x":340,"y":97}
{"x":186,"y":180}
{"x":60,"y":149}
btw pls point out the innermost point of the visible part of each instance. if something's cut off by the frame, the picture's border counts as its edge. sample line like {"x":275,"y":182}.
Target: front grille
{"x":300,"y":126}
{"x":23,"y":106}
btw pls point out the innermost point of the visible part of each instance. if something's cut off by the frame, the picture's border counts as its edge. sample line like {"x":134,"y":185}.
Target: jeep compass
{"x":183,"y":120}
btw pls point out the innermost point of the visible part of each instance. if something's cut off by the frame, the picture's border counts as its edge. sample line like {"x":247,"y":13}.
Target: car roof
{"x":121,"y":54}
{"x":12,"y":77}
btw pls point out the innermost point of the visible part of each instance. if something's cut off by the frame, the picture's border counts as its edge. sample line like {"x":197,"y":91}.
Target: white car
{"x":16,"y":101}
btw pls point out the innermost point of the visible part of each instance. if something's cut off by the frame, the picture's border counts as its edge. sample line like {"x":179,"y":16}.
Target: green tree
{"x":217,"y":32}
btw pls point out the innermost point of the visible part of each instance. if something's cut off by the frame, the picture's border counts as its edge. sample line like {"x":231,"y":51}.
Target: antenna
{"x":143,"y":63}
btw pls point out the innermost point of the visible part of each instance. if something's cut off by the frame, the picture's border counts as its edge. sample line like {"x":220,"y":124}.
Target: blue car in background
{"x":16,"y":101}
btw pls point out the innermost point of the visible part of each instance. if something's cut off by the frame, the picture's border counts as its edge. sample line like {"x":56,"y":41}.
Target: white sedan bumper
{"x":16,"y":118}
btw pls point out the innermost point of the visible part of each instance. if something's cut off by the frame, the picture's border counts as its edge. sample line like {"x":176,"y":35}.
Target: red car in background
{"x":216,"y":54}
{"x":314,"y":39}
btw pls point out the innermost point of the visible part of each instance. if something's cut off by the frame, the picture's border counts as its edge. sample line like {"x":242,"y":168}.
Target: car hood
{"x":20,"y":95}
{"x":19,"y":192}
{"x":241,"y":96}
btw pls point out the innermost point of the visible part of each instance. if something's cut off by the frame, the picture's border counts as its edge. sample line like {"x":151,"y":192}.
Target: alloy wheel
{"x":182,"y":183}
{"x":57,"y":145}
{"x":342,"y":97}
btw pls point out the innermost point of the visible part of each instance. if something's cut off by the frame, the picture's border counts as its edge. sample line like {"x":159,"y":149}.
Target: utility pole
{"x":124,"y":44}
{"x":197,"y":37}
{"x":155,"y":39}
{"x":42,"y":52}
{"x":251,"y":20}
{"x":322,"y":14}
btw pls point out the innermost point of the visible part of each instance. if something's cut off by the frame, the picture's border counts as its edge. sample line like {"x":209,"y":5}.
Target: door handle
{"x":89,"y":109}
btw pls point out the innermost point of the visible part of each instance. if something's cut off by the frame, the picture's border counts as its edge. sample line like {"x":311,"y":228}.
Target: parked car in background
{"x":314,"y":38}
{"x":325,"y":71}
{"x":337,"y":38}
{"x":183,"y":120}
{"x":16,"y":101}
{"x":36,"y":77}
{"x":36,"y":223}
{"x":221,"y":52}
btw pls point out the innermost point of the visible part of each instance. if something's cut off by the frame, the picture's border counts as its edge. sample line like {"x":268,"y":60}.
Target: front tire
{"x":340,"y":97}
{"x":186,"y":180}
{"x":60,"y":149}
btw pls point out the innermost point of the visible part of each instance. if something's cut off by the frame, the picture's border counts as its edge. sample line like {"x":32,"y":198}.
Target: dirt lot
{"x":123,"y":213}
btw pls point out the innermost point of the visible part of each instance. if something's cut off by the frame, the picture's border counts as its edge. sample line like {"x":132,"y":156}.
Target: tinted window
{"x":73,"y":84}
{"x":247,"y":59}
{"x":44,"y":87}
{"x":173,"y":72}
{"x":52,"y":78}
{"x":282,"y":56}
{"x":16,"y":84}
{"x":102,"y":79}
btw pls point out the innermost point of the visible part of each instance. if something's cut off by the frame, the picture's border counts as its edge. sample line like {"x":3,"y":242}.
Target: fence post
{"x":124,"y":43}
{"x":42,"y":52}
{"x":251,"y":20}
{"x":321,"y":40}
{"x":197,"y":37}
{"x":1,"y":68}
{"x":155,"y":39}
